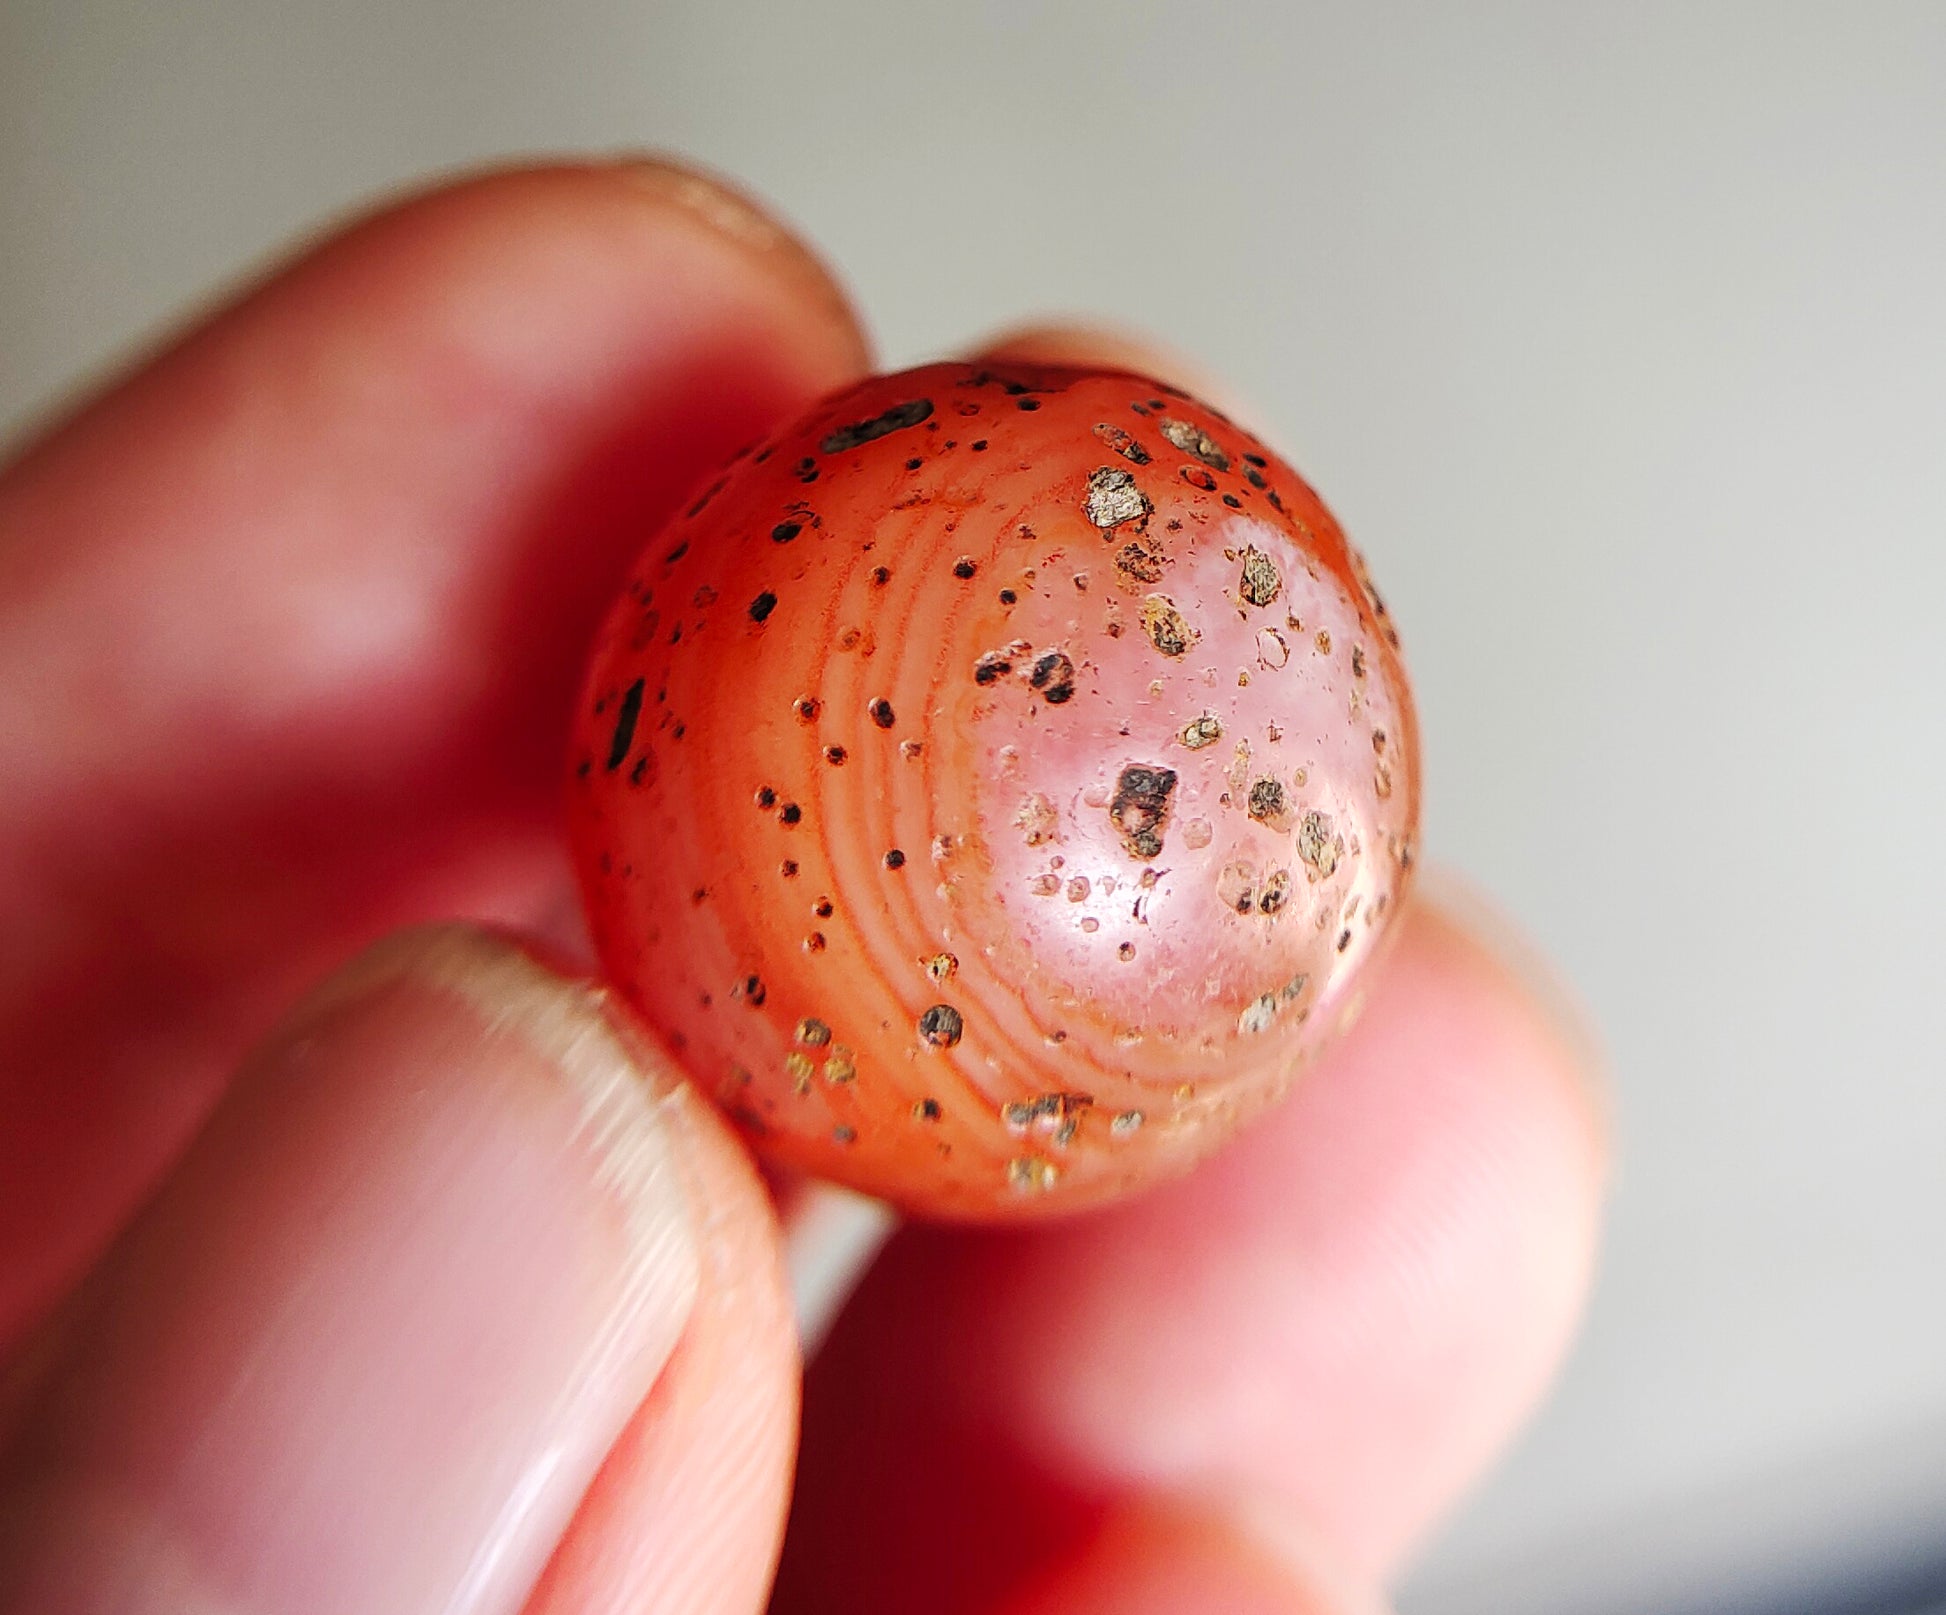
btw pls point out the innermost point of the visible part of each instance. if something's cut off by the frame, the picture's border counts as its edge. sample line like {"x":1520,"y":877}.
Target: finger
{"x":687,"y":1513}
{"x":1106,"y":347}
{"x":290,"y":620}
{"x":1147,"y":1560}
{"x":371,"y":1343}
{"x":1340,"y":1319}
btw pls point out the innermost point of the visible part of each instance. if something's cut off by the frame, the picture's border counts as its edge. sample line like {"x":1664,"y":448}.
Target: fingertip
{"x":690,"y":233}
{"x":644,"y":205}
{"x":735,"y":215}
{"x":1184,"y":1558}
{"x":1097,"y":345}
{"x":1393,"y":1264}
{"x":1481,"y":934}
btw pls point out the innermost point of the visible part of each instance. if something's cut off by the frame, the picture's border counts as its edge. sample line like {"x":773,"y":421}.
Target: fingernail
{"x":831,"y":1238}
{"x":370,"y":1343}
{"x":732,"y":213}
{"x":1468,"y":906}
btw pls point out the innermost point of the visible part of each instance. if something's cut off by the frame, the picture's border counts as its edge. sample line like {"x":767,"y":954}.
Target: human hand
{"x":449,"y":1297}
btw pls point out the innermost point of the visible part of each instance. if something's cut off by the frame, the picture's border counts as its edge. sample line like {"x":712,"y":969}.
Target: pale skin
{"x":436,"y":1293}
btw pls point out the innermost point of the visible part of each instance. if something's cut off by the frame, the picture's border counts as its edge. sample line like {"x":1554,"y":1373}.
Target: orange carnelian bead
{"x":993,"y":786}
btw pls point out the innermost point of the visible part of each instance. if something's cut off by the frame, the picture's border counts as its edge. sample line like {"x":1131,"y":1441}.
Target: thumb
{"x":434,"y":1257}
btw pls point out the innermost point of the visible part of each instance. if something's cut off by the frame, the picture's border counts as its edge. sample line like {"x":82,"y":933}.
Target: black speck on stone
{"x":1053,"y":676}
{"x":1027,"y":404}
{"x":895,"y":859}
{"x":862,"y":432}
{"x":766,"y":797}
{"x":965,"y":568}
{"x":979,"y":445}
{"x":625,"y":724}
{"x":705,"y":497}
{"x":941,"y":1026}
{"x":991,"y":668}
{"x":790,"y":813}
{"x":762,"y":606}
{"x":784,"y":532}
{"x":1139,"y":808}
{"x":882,"y":713}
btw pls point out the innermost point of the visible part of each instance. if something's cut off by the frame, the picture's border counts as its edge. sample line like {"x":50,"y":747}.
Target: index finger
{"x":289,"y":621}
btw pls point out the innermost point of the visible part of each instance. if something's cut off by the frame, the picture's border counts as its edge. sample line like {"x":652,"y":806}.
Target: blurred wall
{"x":1616,"y":334}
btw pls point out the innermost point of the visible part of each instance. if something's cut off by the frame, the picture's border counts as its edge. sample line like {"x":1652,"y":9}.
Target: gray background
{"x":1617,"y":335}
